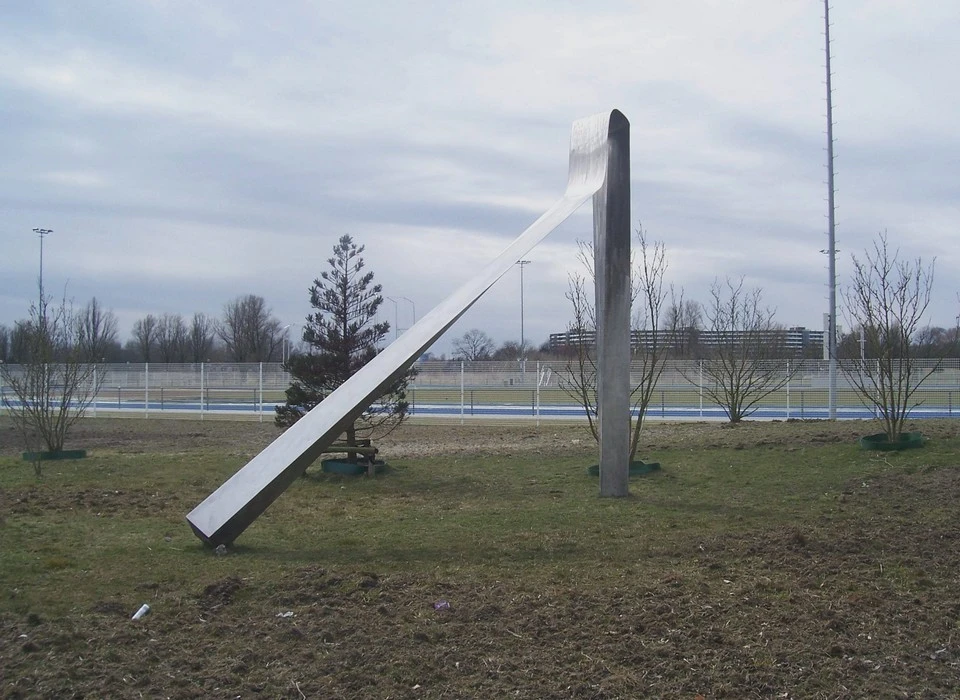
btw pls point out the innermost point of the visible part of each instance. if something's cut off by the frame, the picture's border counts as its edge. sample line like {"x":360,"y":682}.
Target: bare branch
{"x":748,"y":359}
{"x":885,"y":303}
{"x":473,"y":346}
{"x":54,"y":382}
{"x":648,"y":295}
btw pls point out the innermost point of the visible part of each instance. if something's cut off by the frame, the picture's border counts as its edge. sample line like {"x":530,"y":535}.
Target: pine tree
{"x":342,"y":334}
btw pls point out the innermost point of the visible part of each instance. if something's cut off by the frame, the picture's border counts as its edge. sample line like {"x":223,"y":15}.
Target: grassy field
{"x":765,"y":560}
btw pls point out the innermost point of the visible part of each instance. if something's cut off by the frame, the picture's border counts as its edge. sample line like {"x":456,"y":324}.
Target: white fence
{"x":504,"y":391}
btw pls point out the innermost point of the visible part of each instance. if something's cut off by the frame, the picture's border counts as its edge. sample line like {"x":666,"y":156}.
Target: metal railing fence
{"x":493,"y":390}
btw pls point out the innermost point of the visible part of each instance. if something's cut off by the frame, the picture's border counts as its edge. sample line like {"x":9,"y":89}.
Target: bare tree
{"x":474,"y":345}
{"x":935,"y":342}
{"x":649,"y":273}
{"x":4,"y":343}
{"x":171,"y":338}
{"x":249,"y":331}
{"x":54,"y":382}
{"x":740,"y":365}
{"x":579,"y":379}
{"x":886,"y":300}
{"x":682,"y":322}
{"x":97,"y":331}
{"x":20,"y":342}
{"x":145,"y":336}
{"x":509,"y":350}
{"x":201,"y":337}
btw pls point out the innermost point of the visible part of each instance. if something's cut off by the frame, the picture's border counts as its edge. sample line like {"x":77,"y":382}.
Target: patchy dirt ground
{"x":774,"y":614}
{"x":860,"y":606}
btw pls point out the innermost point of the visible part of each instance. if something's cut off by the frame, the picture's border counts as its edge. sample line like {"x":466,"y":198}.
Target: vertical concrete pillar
{"x":611,"y":248}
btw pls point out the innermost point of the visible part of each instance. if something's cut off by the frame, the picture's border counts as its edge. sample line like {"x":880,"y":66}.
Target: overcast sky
{"x":185,"y":153}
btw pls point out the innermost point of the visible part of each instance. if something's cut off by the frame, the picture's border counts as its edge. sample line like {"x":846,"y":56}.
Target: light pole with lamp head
{"x":283,"y":343}
{"x":286,"y":346}
{"x":413,"y":306}
{"x":396,"y":326}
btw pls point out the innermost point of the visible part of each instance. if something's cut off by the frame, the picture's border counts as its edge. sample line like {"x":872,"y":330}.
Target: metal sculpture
{"x":599,"y":163}
{"x":611,"y":260}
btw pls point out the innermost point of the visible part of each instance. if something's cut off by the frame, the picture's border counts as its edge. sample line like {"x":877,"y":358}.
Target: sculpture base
{"x":344,"y":467}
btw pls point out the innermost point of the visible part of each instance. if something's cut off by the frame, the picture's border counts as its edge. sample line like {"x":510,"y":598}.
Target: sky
{"x":187,"y":153}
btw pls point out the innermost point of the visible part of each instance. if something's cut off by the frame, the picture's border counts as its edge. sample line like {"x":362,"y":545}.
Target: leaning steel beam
{"x":229,"y":510}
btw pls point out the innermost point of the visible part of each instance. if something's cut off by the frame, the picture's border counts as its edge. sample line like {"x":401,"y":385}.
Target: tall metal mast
{"x":831,"y":232}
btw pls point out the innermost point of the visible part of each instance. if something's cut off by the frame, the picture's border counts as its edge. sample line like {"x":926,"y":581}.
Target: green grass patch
{"x":115,"y":521}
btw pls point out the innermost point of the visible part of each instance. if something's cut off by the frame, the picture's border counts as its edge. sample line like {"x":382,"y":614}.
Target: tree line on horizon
{"x":247,"y":331}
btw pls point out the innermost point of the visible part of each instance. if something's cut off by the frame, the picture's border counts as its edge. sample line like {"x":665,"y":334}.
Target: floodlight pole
{"x":831,"y":231}
{"x":42,"y":232}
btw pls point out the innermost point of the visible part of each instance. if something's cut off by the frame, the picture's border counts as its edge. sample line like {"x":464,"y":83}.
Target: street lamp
{"x":286,"y":347}
{"x":396,"y":327}
{"x":413,"y":308}
{"x":523,"y":345}
{"x":396,"y":323}
{"x":283,"y":343}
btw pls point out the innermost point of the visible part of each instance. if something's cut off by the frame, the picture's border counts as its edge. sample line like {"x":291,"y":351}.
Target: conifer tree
{"x":342,"y":335}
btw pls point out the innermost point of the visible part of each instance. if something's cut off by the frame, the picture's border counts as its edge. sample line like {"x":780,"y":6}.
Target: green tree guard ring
{"x":637,"y":468}
{"x":59,"y":454}
{"x":879,"y":442}
{"x":345,"y":467}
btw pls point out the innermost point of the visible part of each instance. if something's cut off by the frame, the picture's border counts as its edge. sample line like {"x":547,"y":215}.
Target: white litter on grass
{"x":289,"y":613}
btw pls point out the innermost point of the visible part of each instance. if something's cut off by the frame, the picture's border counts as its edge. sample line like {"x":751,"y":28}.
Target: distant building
{"x":801,"y":340}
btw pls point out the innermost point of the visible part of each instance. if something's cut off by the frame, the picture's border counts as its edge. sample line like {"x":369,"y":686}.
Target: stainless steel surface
{"x":229,"y":510}
{"x":611,"y":248}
